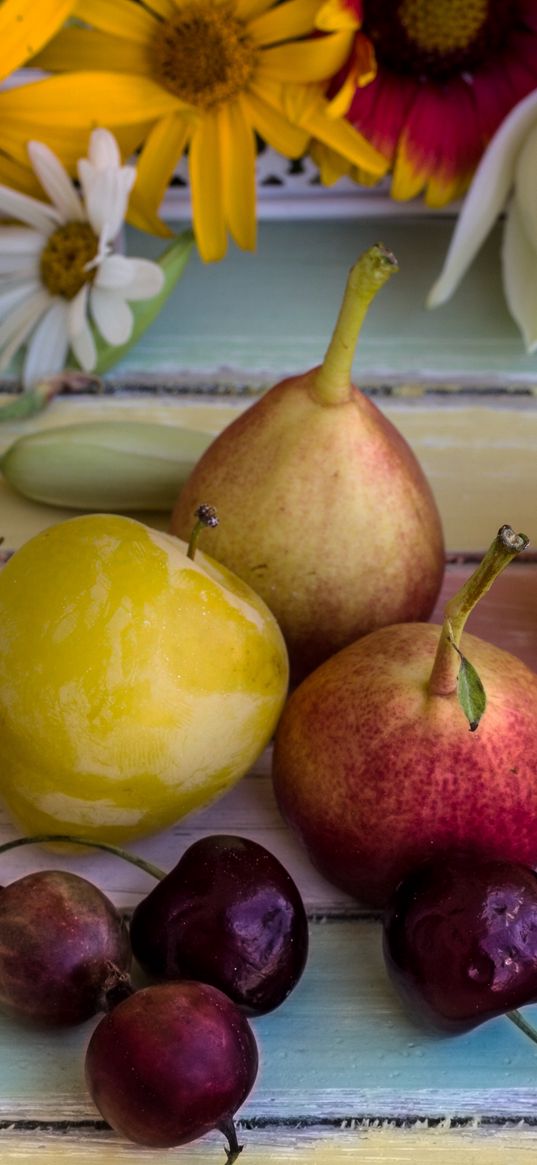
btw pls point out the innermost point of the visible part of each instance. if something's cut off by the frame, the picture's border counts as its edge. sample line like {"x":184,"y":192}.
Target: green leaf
{"x":470,"y":691}
{"x":173,"y":262}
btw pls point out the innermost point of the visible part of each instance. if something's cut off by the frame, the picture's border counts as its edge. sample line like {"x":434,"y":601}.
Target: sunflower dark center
{"x":204,"y":55}
{"x":63,"y":259}
{"x":436,"y":39}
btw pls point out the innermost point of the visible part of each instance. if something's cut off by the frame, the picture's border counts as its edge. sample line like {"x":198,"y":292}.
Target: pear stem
{"x":522,"y":1024}
{"x":206,"y":516}
{"x":42,"y":838}
{"x":506,"y":546}
{"x":332,"y":384}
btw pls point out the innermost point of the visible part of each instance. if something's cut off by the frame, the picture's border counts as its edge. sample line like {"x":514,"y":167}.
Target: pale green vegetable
{"x":105,"y":465}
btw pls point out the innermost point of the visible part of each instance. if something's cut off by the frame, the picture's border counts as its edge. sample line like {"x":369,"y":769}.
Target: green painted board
{"x":253,"y":317}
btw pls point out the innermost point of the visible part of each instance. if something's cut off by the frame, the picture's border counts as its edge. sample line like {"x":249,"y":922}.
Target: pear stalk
{"x":332,"y":384}
{"x":506,"y":546}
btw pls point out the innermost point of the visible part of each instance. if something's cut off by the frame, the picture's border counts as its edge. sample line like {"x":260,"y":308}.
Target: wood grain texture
{"x":339,"y":1058}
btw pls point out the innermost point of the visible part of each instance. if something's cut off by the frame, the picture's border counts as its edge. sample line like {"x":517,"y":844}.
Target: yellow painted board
{"x":366,"y":1145}
{"x":480,"y":458}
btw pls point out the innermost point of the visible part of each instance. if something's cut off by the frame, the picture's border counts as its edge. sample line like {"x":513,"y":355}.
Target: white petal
{"x":20,"y":241}
{"x":103,"y":150}
{"x":37,"y":214}
{"x":49,"y":344}
{"x":112,"y":315}
{"x":147,"y":282}
{"x":519,"y":263}
{"x":116,"y":271}
{"x":78,"y":308}
{"x":10,"y":297}
{"x":15,"y":329}
{"x":106,"y":195}
{"x":56,"y":181}
{"x":80,"y":334}
{"x":485,"y":199}
{"x":83,"y":346}
{"x":16,"y":265}
{"x":526,"y":185}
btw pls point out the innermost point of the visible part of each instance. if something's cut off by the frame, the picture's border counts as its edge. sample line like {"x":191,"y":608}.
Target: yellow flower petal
{"x":336,"y":14}
{"x":164,"y":8}
{"x":26,"y":25}
{"x":88,"y":48}
{"x":408,"y":179}
{"x":295,"y":18}
{"x":121,"y":18}
{"x":206,"y":188}
{"x":443,"y":188}
{"x":272,"y":126}
{"x":340,"y":136}
{"x":237,"y":145}
{"x":162,"y":150}
{"x":87,"y":99}
{"x":19,"y":177}
{"x":312,"y":60}
{"x":249,"y":9}
{"x":331,"y":166}
{"x":68,"y":143}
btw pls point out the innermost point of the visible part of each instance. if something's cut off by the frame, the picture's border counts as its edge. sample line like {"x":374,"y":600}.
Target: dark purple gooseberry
{"x":64,"y":949}
{"x":228,"y":914}
{"x":171,"y":1063}
{"x":460,"y":940}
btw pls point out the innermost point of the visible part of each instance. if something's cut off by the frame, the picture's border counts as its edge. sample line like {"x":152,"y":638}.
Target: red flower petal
{"x":379,"y":110}
{"x":527,"y":13}
{"x":504,"y":81}
{"x":440,"y":144}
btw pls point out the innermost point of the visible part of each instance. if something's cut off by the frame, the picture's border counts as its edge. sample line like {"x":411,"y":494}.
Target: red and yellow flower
{"x":447,"y":73}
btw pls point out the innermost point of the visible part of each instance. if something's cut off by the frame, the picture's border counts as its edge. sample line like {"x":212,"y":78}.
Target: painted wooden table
{"x":344,"y":1074}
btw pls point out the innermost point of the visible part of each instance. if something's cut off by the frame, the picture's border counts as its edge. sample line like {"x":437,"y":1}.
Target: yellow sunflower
{"x":228,"y":69}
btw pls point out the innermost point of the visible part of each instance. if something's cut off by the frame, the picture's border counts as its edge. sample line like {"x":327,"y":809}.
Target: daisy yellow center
{"x":435,"y":39}
{"x":63,"y":259}
{"x":204,"y":55}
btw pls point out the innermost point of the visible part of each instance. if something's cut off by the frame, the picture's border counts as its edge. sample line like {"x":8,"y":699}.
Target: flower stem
{"x":522,"y":1024}
{"x":35,"y":399}
{"x":506,"y":546}
{"x":42,"y":838}
{"x":332,"y":385}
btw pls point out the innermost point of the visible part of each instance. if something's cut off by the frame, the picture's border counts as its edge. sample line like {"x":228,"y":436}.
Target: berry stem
{"x":332,"y":384}
{"x":522,"y":1024}
{"x":227,"y":1127}
{"x":42,"y":838}
{"x":506,"y":546}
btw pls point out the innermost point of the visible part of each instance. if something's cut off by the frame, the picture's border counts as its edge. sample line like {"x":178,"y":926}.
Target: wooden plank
{"x":340,"y":1048}
{"x":479,"y":457}
{"x":371,"y":1145}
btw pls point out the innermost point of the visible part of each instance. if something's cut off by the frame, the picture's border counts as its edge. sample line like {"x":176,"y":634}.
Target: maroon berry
{"x":171,"y":1063}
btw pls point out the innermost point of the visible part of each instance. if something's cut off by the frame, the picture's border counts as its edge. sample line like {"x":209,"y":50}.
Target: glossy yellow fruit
{"x":135,"y":683}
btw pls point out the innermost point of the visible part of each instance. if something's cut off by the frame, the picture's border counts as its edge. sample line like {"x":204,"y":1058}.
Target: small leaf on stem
{"x":470,"y":691}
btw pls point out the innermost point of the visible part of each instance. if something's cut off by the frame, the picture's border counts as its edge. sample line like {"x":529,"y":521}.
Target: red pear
{"x":315,"y":489}
{"x":374,"y":763}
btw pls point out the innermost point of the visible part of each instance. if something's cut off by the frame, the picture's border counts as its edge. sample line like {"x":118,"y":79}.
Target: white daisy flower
{"x":61,"y":269}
